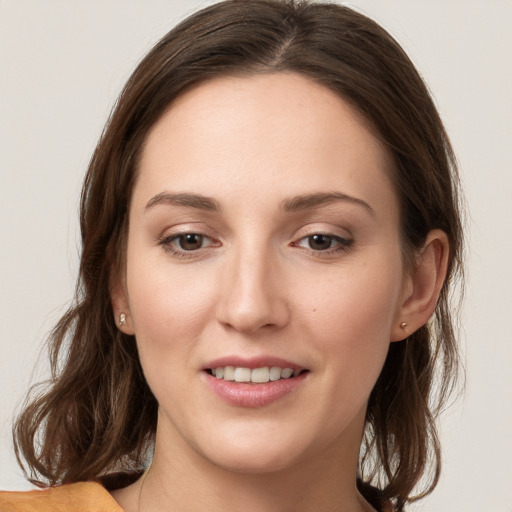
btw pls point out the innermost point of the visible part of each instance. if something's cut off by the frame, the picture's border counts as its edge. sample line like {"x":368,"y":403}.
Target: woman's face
{"x":263,"y":235}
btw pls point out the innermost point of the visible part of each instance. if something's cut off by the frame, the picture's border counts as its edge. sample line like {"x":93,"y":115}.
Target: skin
{"x":255,"y":286}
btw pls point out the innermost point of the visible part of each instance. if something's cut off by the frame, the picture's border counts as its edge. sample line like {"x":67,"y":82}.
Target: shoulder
{"x":79,"y":497}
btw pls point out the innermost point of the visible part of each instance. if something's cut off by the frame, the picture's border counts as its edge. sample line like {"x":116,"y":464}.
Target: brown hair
{"x":98,"y":414}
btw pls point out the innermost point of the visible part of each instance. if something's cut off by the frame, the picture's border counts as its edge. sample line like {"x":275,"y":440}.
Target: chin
{"x":257,"y":451}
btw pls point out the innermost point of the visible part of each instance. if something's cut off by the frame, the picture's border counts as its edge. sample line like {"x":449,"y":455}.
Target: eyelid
{"x":176,"y":236}
{"x":186,"y":228}
{"x":343,"y":238}
{"x":167,"y":239}
{"x":343,"y":243}
{"x":323,"y":228}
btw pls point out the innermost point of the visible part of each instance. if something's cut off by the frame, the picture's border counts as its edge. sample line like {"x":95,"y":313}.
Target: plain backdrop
{"x":62,"y":65}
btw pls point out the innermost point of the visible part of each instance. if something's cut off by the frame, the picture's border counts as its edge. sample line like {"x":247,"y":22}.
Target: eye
{"x":320,"y":242}
{"x":190,"y":241}
{"x":186,"y":243}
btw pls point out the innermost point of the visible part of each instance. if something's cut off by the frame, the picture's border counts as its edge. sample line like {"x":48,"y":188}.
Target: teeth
{"x":242,"y":375}
{"x":257,"y":375}
{"x":275,"y":373}
{"x":229,"y":373}
{"x":260,"y":374}
{"x":286,"y":373}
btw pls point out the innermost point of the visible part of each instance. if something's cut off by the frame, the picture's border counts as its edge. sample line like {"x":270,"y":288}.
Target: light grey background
{"x":62,"y":65}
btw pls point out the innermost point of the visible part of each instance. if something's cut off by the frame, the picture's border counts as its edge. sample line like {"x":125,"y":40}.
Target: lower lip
{"x":253,"y":395}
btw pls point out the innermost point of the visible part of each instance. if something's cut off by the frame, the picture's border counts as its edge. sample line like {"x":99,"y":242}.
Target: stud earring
{"x":403,"y":325}
{"x":122,"y":320}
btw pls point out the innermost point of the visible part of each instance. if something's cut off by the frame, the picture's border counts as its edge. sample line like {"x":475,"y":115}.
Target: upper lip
{"x":252,"y":362}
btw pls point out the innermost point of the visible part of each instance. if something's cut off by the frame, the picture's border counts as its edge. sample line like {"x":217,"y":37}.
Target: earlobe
{"x":121,"y":309}
{"x":425,"y":284}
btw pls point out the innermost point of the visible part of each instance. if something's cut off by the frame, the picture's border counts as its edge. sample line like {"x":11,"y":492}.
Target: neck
{"x":182,"y":480}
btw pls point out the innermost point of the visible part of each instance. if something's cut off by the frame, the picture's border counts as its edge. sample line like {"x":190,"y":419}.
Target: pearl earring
{"x":122,"y":320}
{"x":403,"y":325}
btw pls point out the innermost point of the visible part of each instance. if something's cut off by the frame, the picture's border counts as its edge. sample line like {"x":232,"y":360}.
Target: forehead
{"x":271,"y":131}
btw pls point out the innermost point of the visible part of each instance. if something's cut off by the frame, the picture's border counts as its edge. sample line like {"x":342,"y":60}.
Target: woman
{"x":270,"y":227}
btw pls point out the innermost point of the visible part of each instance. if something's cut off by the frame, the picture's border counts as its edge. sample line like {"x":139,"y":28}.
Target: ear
{"x":121,"y":308}
{"x":422,"y":286}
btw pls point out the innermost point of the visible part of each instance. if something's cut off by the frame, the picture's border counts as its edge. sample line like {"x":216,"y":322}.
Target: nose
{"x":252,"y":293}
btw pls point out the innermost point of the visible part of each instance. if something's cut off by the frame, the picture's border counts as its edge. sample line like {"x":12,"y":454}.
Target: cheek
{"x":354,"y":303}
{"x":351,"y":318}
{"x":169,"y":306}
{"x":170,"y":309}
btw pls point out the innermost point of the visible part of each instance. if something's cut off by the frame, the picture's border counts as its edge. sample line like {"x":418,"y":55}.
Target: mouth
{"x":261,"y":375}
{"x":254,"y":381}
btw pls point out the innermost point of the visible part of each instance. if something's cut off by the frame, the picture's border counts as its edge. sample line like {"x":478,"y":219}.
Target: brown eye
{"x":190,"y":241}
{"x":190,"y":245}
{"x":320,"y":242}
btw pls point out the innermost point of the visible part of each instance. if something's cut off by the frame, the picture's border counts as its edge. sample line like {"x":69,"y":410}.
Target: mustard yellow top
{"x":79,"y":497}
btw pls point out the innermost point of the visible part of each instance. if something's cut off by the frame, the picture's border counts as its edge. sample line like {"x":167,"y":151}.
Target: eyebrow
{"x":183,"y":199}
{"x":308,"y":201}
{"x":292,"y":204}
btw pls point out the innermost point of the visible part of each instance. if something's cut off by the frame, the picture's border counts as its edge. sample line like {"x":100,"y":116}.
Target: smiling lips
{"x":253,"y":383}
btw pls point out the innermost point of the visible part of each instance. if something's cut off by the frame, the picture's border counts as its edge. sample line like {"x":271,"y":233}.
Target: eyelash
{"x":167,"y":243}
{"x":343,"y":244}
